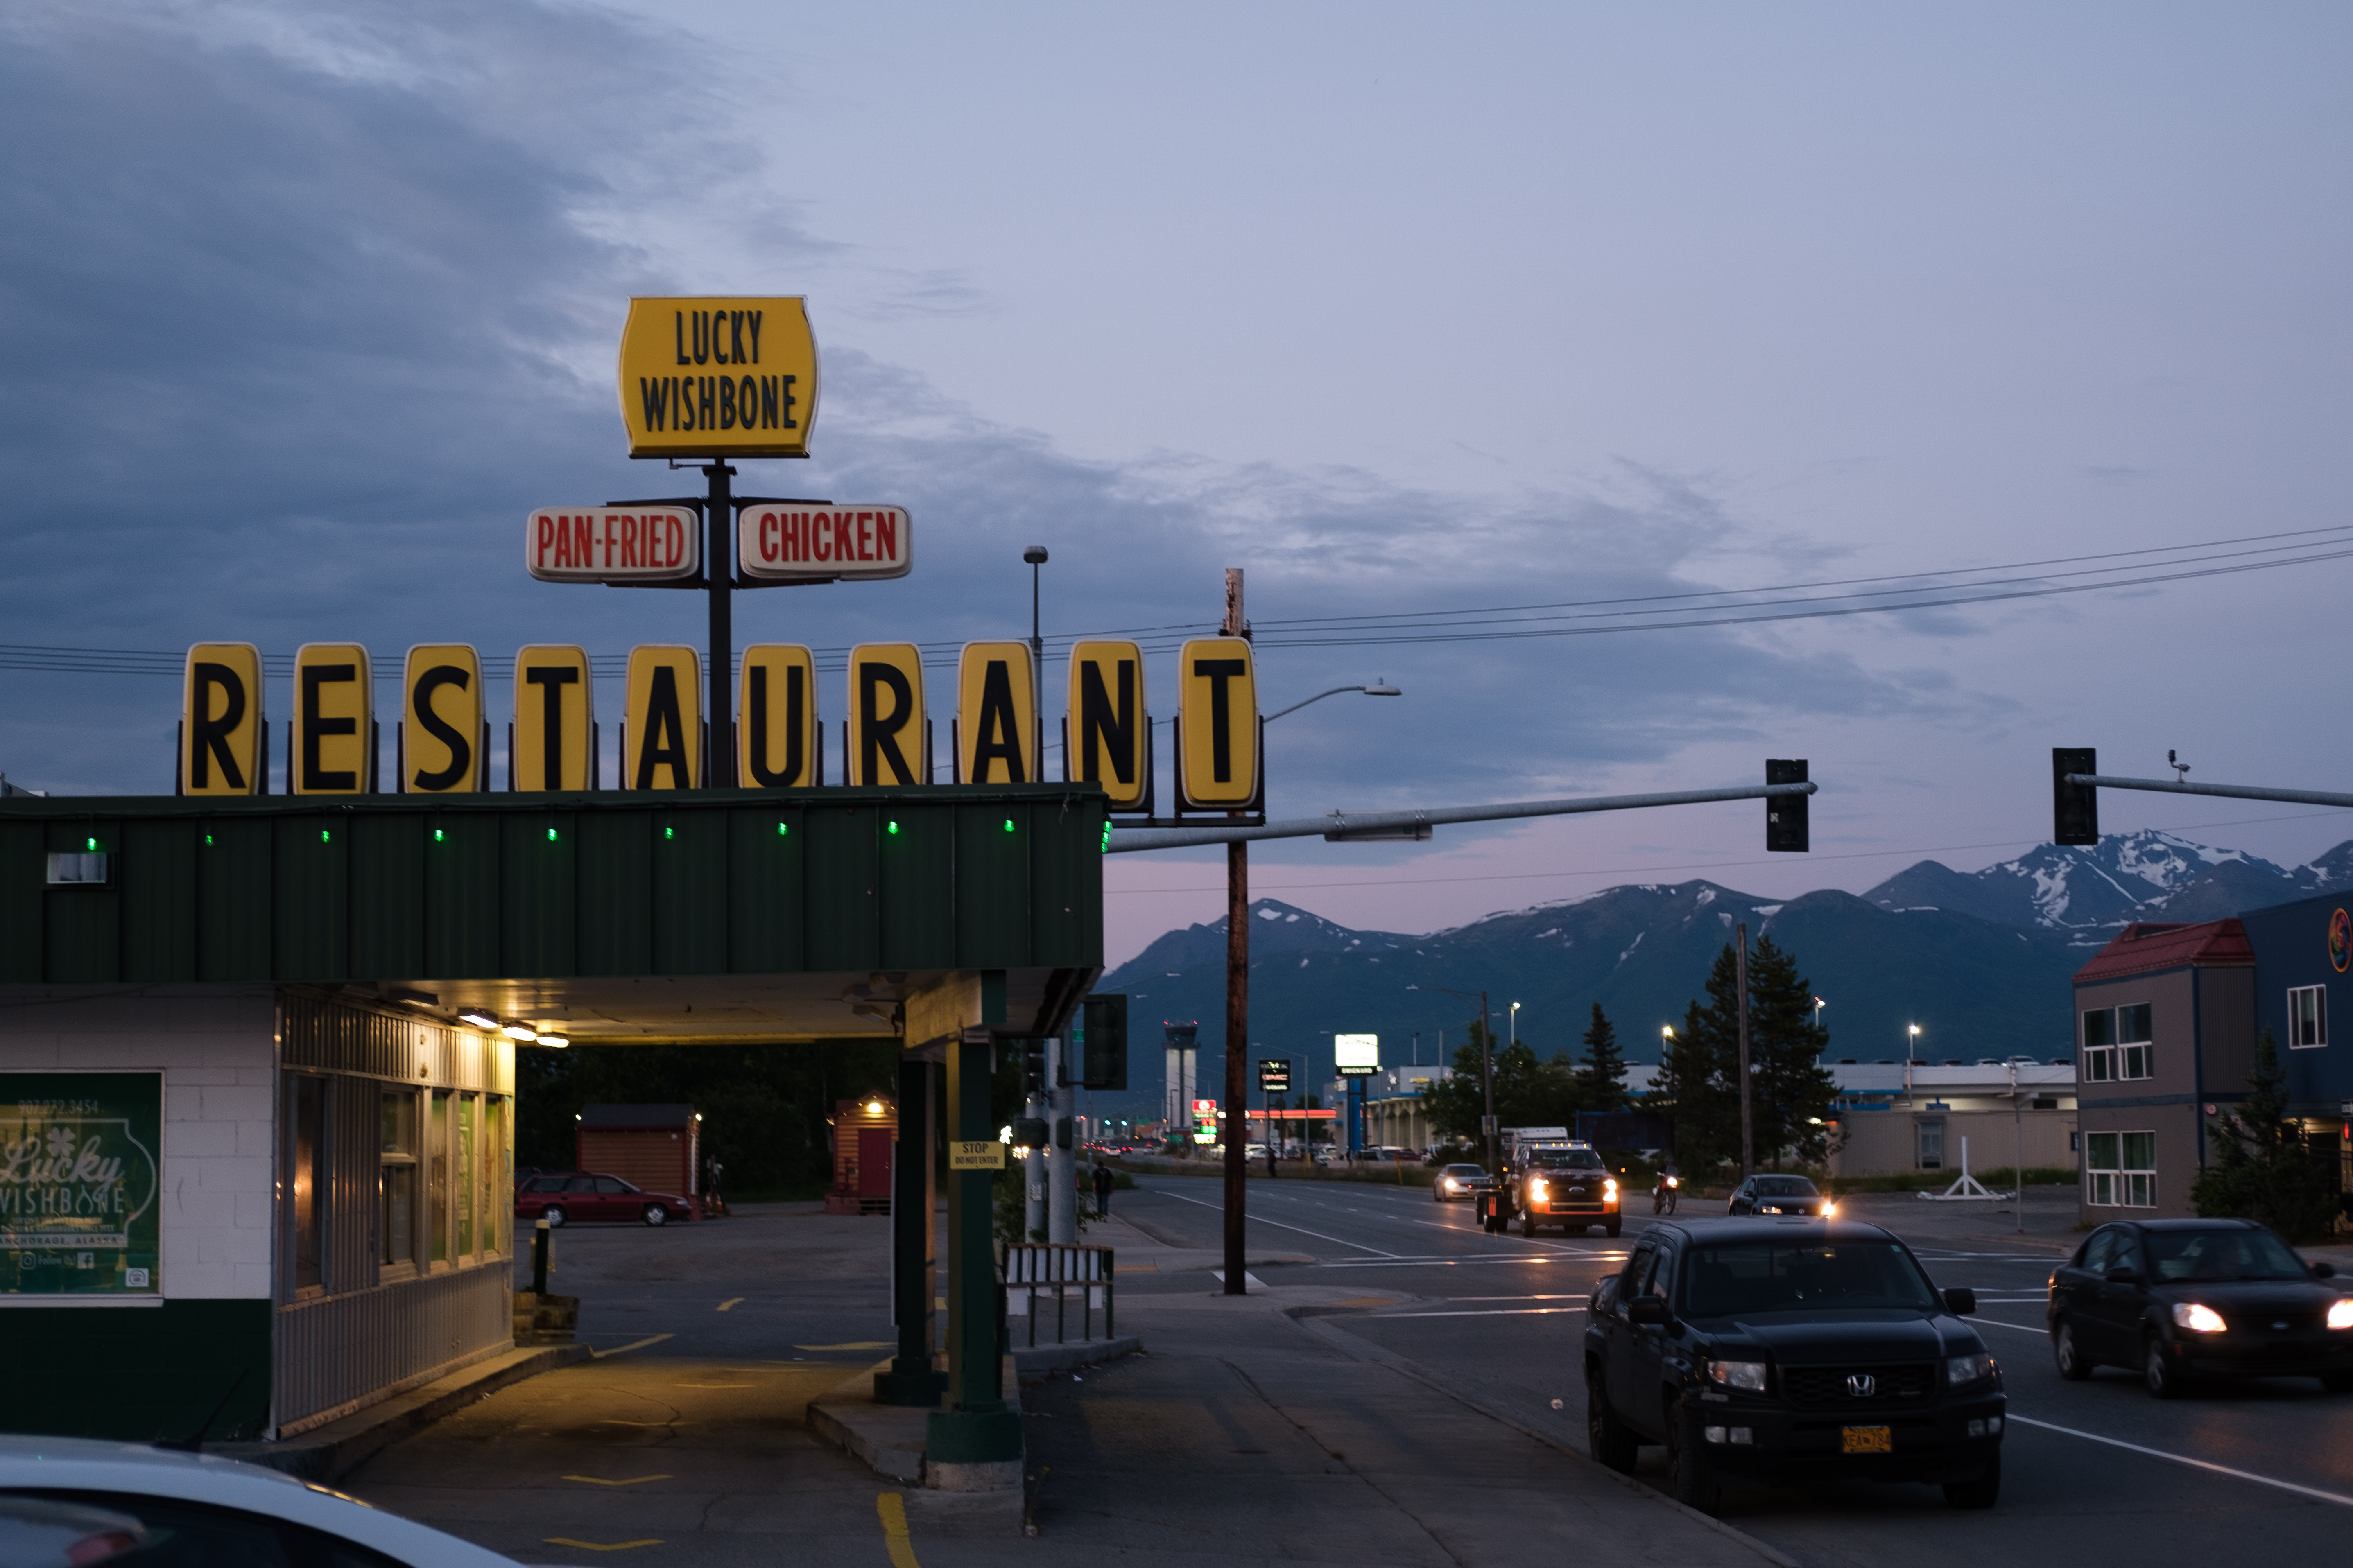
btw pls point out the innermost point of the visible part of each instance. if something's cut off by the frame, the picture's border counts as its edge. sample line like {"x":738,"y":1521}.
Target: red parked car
{"x":559,"y":1197}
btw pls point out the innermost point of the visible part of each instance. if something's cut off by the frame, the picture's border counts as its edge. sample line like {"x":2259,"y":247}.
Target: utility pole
{"x":1237,"y":625}
{"x":719,"y":572}
{"x":1748,"y":1121}
{"x":1487,"y":1076}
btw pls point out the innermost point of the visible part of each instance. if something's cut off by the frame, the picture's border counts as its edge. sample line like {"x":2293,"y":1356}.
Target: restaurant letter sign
{"x":78,"y":1184}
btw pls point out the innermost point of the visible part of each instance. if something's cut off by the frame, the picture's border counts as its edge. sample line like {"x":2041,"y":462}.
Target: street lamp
{"x":1819,"y":1006}
{"x":1036,"y":556}
{"x":1377,"y":688}
{"x":1515,"y":1023}
{"x":1486,"y":1064}
{"x":1911,"y":1045}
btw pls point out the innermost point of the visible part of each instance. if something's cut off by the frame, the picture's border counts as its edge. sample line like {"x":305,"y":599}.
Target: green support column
{"x":913,"y":1242}
{"x":978,"y":1428}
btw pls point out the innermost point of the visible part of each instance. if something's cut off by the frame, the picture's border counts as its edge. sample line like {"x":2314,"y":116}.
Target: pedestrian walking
{"x":1102,"y":1190}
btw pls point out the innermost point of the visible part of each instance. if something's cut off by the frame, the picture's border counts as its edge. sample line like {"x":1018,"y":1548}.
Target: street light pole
{"x":1237,"y":625}
{"x":1748,"y":1124}
{"x":1515,"y":1023}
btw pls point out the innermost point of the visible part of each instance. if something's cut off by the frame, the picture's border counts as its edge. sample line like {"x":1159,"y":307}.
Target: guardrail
{"x":1061,"y":1275}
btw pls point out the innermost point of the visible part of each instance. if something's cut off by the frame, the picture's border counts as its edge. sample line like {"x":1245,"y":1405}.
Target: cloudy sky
{"x":1543,"y":360}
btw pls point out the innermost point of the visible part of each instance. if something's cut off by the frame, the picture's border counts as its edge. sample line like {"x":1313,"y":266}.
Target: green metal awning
{"x":704,"y":915}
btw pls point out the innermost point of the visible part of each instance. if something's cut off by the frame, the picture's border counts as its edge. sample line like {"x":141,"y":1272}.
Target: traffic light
{"x":1033,"y":1067}
{"x":1105,"y":1042}
{"x":1785,"y":814}
{"x":1030,"y":1132}
{"x":2074,"y":808}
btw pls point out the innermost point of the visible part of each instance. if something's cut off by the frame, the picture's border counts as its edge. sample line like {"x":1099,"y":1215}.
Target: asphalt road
{"x":2096,"y":1469}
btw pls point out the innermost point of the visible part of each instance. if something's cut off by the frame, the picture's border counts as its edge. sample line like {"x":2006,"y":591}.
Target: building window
{"x":306,"y":1183}
{"x":1931,"y":1139}
{"x":2307,"y":1017}
{"x":2120,"y":1169}
{"x":2117,"y":1043}
{"x":396,"y":1180}
{"x":436,"y":1172}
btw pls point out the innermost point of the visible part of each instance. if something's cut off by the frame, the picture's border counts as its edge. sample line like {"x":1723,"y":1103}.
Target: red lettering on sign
{"x":886,"y":535}
{"x":546,"y":528}
{"x":822,"y":543}
{"x":866,"y":536}
{"x":842,"y":549}
{"x":583,"y":549}
{"x":628,"y":539}
{"x":563,"y":530}
{"x":677,"y":542}
{"x":767,"y":536}
{"x":796,"y":547}
{"x":609,"y":536}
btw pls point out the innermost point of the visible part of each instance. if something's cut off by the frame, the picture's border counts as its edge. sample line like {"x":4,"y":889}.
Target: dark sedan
{"x":1789,"y":1349}
{"x":563,"y":1196}
{"x":2179,"y":1299}
{"x":1780,"y":1195}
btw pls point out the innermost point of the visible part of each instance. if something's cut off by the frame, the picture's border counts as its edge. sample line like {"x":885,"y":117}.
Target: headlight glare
{"x":2198,"y":1318}
{"x":1742,"y":1375}
{"x":1536,"y":1189}
{"x":1966,"y":1369}
{"x":2340,"y":1312}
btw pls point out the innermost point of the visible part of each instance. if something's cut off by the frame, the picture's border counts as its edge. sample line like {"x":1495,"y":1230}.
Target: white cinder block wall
{"x":217,"y":1045}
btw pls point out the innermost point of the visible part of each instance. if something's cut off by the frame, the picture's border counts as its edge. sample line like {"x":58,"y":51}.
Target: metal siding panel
{"x":764,"y":889}
{"x":842,"y":913}
{"x":159,"y":893}
{"x":1066,"y":883}
{"x":338,"y":1350}
{"x":614,"y":904}
{"x":916,"y":888}
{"x":538,"y":937}
{"x":387,"y":895}
{"x":689,"y":882}
{"x":992,"y":886}
{"x":234,"y":857}
{"x":461,"y":896}
{"x":24,"y":877}
{"x":81,"y":928}
{"x":312,"y":884}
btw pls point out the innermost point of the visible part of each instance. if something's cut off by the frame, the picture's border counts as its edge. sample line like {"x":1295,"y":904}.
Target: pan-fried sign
{"x":776,"y":735}
{"x":887,"y":742}
{"x":555,"y":718}
{"x":441,"y":728}
{"x":717,"y":376}
{"x":220,"y":720}
{"x":1218,"y":706}
{"x":801,"y":542}
{"x":663,"y":731}
{"x":334,"y":720}
{"x":997,"y":714}
{"x":613,"y":543}
{"x":1110,"y":729}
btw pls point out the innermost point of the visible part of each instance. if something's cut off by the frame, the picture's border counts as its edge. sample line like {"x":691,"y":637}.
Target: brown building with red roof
{"x":2165,"y":1023}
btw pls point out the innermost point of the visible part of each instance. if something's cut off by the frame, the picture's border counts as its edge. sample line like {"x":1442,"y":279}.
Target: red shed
{"x":864,"y":1133}
{"x":657,"y":1147}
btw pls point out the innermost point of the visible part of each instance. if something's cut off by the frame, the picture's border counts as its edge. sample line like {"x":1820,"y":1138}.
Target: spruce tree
{"x":1601,"y":1076}
{"x":2263,"y":1170}
{"x":1790,"y":1091}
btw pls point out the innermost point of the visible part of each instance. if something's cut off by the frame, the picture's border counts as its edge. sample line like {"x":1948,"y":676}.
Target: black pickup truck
{"x":1787,"y":1349}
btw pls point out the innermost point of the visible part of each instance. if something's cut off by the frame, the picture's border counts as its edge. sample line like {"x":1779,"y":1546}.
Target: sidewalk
{"x":1251,"y":1427}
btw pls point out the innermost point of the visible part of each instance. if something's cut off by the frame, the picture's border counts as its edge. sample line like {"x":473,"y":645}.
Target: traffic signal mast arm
{"x":1341,"y":827}
{"x":2237,"y":792}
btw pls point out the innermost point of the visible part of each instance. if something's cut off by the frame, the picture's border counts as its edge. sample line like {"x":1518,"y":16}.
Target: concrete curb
{"x":1035,"y":1363}
{"x":1365,"y":1350}
{"x":326,"y":1453}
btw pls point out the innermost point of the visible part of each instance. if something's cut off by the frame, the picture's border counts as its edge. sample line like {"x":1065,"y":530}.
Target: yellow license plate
{"x":1866,"y":1440}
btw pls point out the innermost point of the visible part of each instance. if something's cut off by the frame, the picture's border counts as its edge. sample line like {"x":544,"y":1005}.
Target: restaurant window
{"x":1930,"y":1138}
{"x":306,"y":1168}
{"x":496,"y":1185}
{"x":2307,"y":1017}
{"x":396,"y":1178}
{"x":436,"y":1168}
{"x":469,"y":1113}
{"x":2120,"y":1170}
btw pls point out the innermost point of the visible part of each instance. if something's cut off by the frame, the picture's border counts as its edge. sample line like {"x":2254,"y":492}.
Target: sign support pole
{"x":718,"y":572}
{"x":1747,"y":1119}
{"x":1237,"y":1001}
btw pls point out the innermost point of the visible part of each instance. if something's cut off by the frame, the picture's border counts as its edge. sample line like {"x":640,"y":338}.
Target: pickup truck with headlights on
{"x":1781,"y":1350}
{"x":1567,"y":1184}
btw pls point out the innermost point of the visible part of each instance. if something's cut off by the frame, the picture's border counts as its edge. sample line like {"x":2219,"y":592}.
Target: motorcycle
{"x":1662,"y":1196}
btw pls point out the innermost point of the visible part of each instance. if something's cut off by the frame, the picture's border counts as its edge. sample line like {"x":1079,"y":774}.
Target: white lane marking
{"x":1561,"y":1298}
{"x":2337,"y":1497}
{"x":632,"y":1345}
{"x":2021,"y":1328}
{"x":1250,"y":1282}
{"x":1491,"y":1312}
{"x":1299,"y":1228}
{"x":1353,"y":1263}
{"x":1538,"y":1240}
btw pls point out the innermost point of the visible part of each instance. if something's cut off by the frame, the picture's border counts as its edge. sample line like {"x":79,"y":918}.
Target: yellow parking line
{"x":729,"y":1302}
{"x":601,"y":1481}
{"x":892,"y":1506}
{"x":601,"y":1546}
